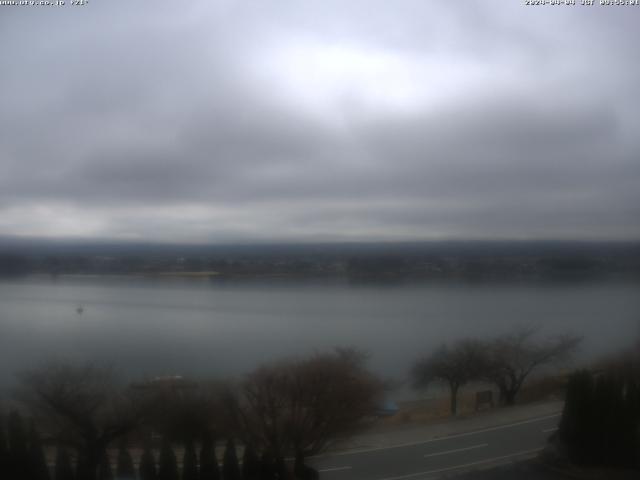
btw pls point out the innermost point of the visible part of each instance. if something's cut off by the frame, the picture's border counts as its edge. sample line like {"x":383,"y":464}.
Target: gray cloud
{"x":217,"y":121}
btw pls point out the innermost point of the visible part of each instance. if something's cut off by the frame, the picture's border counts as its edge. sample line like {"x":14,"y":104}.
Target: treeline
{"x":21,"y":452}
{"x":22,"y":457}
{"x":289,"y":409}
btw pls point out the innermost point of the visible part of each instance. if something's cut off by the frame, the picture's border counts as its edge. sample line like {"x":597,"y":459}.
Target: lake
{"x":148,"y":327}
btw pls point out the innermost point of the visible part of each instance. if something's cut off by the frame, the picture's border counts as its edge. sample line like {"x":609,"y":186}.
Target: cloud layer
{"x":328,"y":120}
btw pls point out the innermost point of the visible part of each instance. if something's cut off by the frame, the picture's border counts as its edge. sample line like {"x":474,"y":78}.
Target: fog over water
{"x":198,"y":328}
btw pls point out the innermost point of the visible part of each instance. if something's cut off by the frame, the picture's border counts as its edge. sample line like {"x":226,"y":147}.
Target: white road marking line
{"x":456,"y":450}
{"x":465,"y":465}
{"x":424,"y":442}
{"x":335,"y":469}
{"x":547,"y":430}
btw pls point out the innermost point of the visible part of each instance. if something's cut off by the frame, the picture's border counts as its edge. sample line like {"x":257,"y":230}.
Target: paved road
{"x":443,"y":456}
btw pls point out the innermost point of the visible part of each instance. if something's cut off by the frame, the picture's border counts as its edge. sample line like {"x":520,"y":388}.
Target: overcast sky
{"x":268,"y":120}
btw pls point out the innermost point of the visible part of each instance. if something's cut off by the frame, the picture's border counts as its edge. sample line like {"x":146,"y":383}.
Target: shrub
{"x":209,"y":469}
{"x":18,"y":450}
{"x":147,"y":467}
{"x":37,"y":461}
{"x":189,"y":462}
{"x":168,"y":468}
{"x":63,"y":469}
{"x":104,"y":467}
{"x":230,"y":468}
{"x":125,"y":469}
{"x":250,"y":464}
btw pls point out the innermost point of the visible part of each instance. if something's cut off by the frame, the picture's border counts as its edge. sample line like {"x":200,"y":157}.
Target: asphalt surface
{"x":446,"y":456}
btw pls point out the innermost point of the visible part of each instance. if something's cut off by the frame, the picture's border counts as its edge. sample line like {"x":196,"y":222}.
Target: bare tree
{"x":303,"y":406}
{"x":330,"y":396}
{"x":511,"y":358}
{"x":454,"y":365}
{"x":82,"y":407}
{"x":182,"y":410}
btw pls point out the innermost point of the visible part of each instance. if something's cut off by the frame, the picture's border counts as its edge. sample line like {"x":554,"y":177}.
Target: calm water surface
{"x":153,"y":327}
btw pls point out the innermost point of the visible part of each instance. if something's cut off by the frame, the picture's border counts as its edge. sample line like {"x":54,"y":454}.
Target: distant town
{"x":486,"y":261}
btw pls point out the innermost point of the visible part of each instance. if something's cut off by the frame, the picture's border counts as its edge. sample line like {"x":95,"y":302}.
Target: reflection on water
{"x":149,"y":327}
